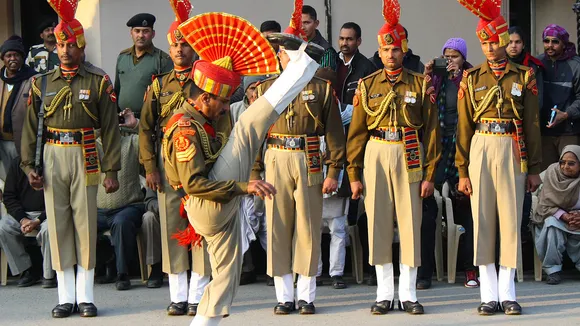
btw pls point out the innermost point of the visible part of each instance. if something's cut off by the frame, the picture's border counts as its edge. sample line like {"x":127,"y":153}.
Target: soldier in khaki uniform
{"x":498,"y":144}
{"x":78,"y":99}
{"x":212,"y":171}
{"x":391,"y":109}
{"x":166,"y":94}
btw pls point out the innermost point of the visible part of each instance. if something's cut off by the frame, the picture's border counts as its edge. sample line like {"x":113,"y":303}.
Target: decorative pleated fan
{"x":65,"y":8}
{"x":219,"y":35}
{"x":484,"y":9}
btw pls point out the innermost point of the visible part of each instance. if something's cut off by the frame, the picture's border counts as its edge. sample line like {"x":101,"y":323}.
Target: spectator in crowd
{"x":137,"y":64}
{"x":557,"y":218}
{"x":43,"y":57}
{"x":411,"y":61}
{"x":443,"y":92}
{"x":310,"y":24}
{"x":517,"y":53}
{"x":26,"y":214}
{"x":268,"y":27}
{"x":152,"y":233}
{"x":14,"y":91}
{"x":561,"y":94}
{"x":121,"y":212}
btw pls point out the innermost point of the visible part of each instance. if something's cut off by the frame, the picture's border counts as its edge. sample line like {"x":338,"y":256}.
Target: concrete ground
{"x":445,"y":304}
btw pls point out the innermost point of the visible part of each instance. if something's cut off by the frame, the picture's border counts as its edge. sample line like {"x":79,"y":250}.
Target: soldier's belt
{"x":296,"y":143}
{"x":64,"y":137}
{"x":308,"y":144}
{"x":388,"y":134}
{"x":495,"y":127}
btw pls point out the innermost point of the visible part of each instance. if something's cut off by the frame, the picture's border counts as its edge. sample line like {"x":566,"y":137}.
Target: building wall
{"x":6,"y":19}
{"x":554,"y":12}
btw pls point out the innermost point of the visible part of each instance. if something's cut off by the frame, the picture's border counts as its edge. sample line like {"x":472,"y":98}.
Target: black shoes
{"x":284,"y":308}
{"x":372,"y":281}
{"x":27,"y":278}
{"x":413,"y":308}
{"x":110,"y":274}
{"x":423,"y":284}
{"x":554,"y":278}
{"x":338,"y":282}
{"x":247,"y":278}
{"x":177,"y":309}
{"x":123,"y":282}
{"x":192,"y":309}
{"x":511,"y":308}
{"x":292,"y":42}
{"x":382,"y":307}
{"x":487,"y":308}
{"x":63,"y":310}
{"x":306,"y":308}
{"x":87,"y":310}
{"x":270,"y":281}
{"x":156,"y":277}
{"x":49,"y":283}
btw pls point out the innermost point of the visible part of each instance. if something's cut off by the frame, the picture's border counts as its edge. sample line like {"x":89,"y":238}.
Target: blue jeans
{"x":123,"y":223}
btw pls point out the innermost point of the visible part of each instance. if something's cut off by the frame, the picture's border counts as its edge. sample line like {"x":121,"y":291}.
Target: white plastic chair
{"x":439,"y":237}
{"x":454,"y":232}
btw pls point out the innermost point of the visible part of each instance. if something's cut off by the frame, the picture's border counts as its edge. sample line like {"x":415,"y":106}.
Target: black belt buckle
{"x":293,"y":143}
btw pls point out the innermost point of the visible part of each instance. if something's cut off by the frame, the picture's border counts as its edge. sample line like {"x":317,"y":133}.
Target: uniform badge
{"x":184,"y":123}
{"x":533,"y":87}
{"x":483,"y":34}
{"x":308,"y":95}
{"x":517,"y":89}
{"x":389,"y":39}
{"x":29,"y":97}
{"x":177,"y":34}
{"x":460,"y":93}
{"x":482,"y":88}
{"x":355,"y":100}
{"x":375,"y":96}
{"x":410,"y":97}
{"x":147,"y":91}
{"x":184,"y":149}
{"x":432,"y":98}
{"x":84,"y":94}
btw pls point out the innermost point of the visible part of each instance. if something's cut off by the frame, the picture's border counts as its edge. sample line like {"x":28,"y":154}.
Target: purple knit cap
{"x":557,"y":31}
{"x":457,"y":44}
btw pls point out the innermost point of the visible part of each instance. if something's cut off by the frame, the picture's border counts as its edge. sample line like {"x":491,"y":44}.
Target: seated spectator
{"x":152,"y":234}
{"x":26,"y":211}
{"x":121,"y":212}
{"x":557,"y":217}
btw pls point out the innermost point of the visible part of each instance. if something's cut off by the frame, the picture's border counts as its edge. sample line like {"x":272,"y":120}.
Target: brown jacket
{"x":18,"y":111}
{"x":477,"y":82}
{"x":420,"y":115}
{"x":99,"y":111}
{"x":318,"y":98}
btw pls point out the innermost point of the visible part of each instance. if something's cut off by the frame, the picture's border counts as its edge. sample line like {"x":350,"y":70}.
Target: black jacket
{"x":19,"y":197}
{"x":411,"y":62}
{"x":359,"y":67}
{"x":562,"y":88}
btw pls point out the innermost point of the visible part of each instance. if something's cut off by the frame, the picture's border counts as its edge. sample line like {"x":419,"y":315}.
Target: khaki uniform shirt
{"x":418,"y":114}
{"x":315,"y":113}
{"x":92,"y":103}
{"x":189,"y":152}
{"x":518,"y":94}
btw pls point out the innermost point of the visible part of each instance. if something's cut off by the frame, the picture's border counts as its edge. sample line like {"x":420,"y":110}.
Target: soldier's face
{"x":492,"y":51}
{"x":391,"y":56}
{"x":213,"y":107}
{"x":182,"y":54}
{"x":348,"y":42}
{"x":516,"y":45}
{"x":142,"y":36}
{"x":48,"y":34}
{"x":309,"y":25}
{"x":553,"y":46}
{"x":12,"y":61}
{"x":69,"y":54}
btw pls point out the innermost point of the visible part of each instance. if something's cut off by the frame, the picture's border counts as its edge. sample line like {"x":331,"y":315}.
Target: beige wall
{"x":554,"y":12}
{"x":6,"y":19}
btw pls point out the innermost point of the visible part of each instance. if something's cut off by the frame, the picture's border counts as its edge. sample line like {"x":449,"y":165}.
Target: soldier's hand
{"x":261,"y":189}
{"x":111,"y":185}
{"x":465,"y":186}
{"x":329,"y":186}
{"x":153,"y":181}
{"x":36,"y":181}
{"x":357,"y":189}
{"x":427,"y":189}
{"x":533,"y":182}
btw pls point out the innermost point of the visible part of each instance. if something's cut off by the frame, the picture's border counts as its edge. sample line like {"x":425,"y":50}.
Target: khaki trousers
{"x":216,"y":222}
{"x":293,"y":217}
{"x":552,"y":148}
{"x":498,"y":191}
{"x":71,"y":208}
{"x":389,"y":195}
{"x":174,"y":257}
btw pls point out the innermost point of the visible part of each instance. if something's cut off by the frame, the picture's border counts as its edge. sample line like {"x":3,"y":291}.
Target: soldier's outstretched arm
{"x":29,"y":129}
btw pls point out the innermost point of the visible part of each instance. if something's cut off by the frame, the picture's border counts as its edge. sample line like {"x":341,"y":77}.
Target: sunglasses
{"x":552,"y":41}
{"x":568,"y":163}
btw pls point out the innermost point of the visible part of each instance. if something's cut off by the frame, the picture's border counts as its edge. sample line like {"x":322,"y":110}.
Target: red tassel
{"x":188,"y":237}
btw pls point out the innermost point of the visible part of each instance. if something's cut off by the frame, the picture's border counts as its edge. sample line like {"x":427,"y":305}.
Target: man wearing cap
{"x":76,"y":100}
{"x":43,"y":57}
{"x":498,"y":155}
{"x":561,"y":94}
{"x":137,"y":64}
{"x":14,"y":92}
{"x":166,"y":94}
{"x":391,"y":110}
{"x":213,"y":172}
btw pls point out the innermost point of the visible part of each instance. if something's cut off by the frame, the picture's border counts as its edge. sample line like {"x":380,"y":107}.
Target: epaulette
{"x":37,"y":46}
{"x":272,"y":78}
{"x":174,"y":122}
{"x":89,"y":67}
{"x":520,"y":67}
{"x":414,"y":73}
{"x":127,"y":51}
{"x":159,"y":76}
{"x":470,"y":70}
{"x":320,"y":79}
{"x":372,"y":75}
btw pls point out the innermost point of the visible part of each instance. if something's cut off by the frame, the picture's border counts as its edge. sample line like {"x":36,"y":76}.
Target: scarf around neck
{"x":21,"y":76}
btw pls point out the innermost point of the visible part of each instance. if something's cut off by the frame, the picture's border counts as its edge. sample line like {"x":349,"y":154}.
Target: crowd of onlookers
{"x":134,"y":210}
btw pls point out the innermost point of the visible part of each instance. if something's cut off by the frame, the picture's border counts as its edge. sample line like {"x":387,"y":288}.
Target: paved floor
{"x":445,"y":304}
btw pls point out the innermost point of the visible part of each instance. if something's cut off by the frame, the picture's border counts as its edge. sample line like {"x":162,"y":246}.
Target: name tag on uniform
{"x":517,"y":89}
{"x":482,"y":88}
{"x":50,"y":94}
{"x":410,"y":97}
{"x":375,"y":96}
{"x":84,"y":94}
{"x":308,"y":95}
{"x":165,"y":94}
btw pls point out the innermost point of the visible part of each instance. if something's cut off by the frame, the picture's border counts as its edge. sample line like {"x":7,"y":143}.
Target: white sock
{"x":197,"y":285}
{"x":85,"y":285}
{"x":385,"y":282}
{"x":178,"y":287}
{"x":488,"y":283}
{"x":306,"y":288}
{"x":506,"y":284}
{"x":200,"y":320}
{"x":284,"y":288}
{"x":407,"y":283}
{"x":66,"y":286}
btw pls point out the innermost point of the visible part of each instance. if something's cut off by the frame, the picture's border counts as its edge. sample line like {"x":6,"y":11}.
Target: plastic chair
{"x":439,"y":237}
{"x":454,"y":232}
{"x":144,"y":269}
